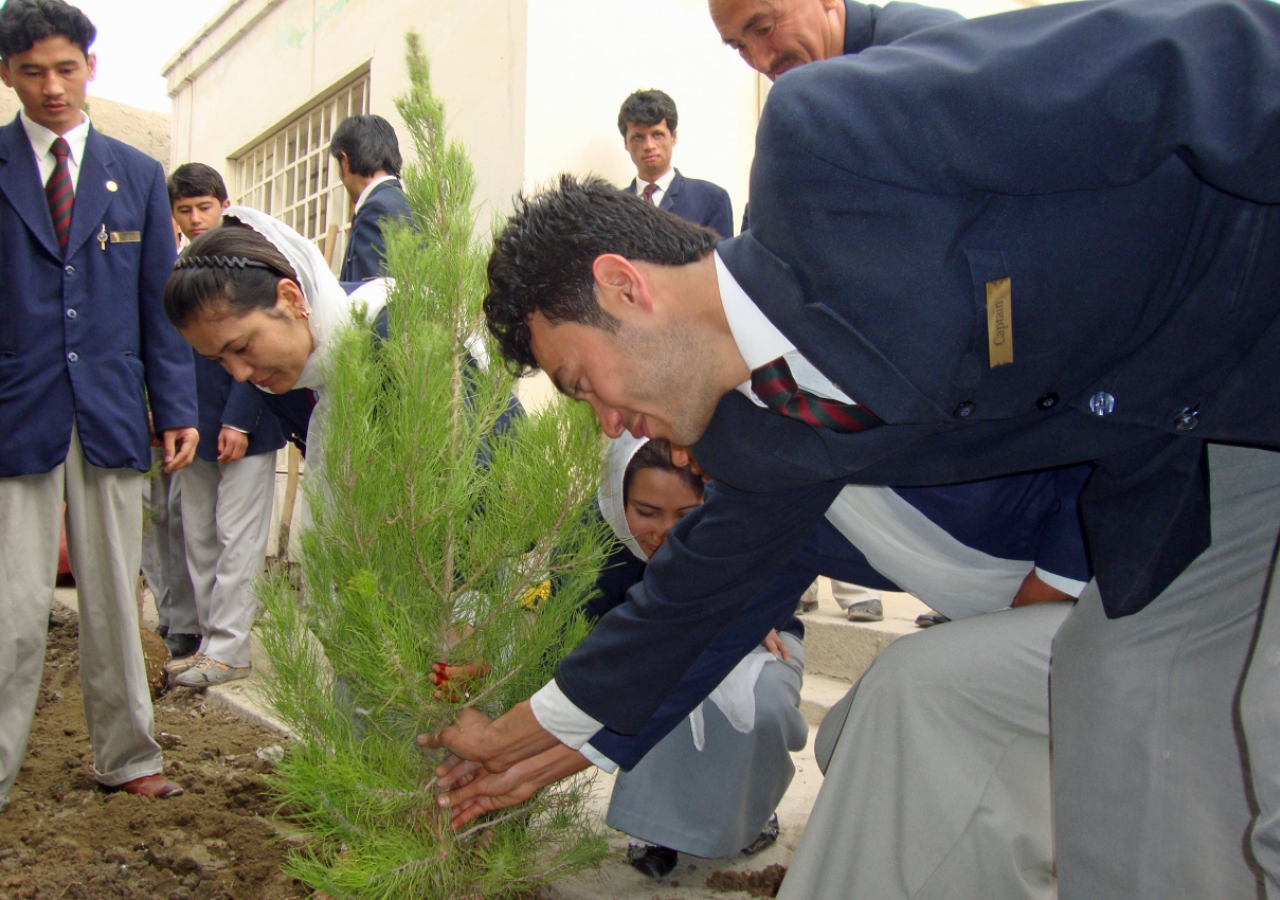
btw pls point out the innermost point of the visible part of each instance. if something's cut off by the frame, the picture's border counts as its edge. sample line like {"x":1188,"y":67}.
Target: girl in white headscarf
{"x":257,"y":297}
{"x":709,"y":789}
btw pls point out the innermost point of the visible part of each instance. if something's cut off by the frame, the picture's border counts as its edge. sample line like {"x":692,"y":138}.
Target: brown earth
{"x":764,"y":883}
{"x":61,"y":838}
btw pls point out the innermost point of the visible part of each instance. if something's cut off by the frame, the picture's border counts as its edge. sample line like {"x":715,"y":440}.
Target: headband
{"x":221,"y":262}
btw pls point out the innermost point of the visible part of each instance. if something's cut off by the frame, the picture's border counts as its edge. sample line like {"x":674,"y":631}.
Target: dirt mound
{"x":764,"y":883}
{"x":61,"y":837}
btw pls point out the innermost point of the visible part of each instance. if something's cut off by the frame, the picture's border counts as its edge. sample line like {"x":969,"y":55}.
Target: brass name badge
{"x":999,"y":322}
{"x":134,"y":237}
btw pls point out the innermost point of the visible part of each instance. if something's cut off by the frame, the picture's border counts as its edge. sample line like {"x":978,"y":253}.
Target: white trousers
{"x":937,"y":770}
{"x":104,"y":541}
{"x":1152,"y":786}
{"x":226,"y":514}
{"x":164,"y":556}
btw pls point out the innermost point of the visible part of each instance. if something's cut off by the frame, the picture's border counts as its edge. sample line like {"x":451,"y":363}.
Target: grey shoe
{"x":929,"y":619}
{"x":181,"y":663}
{"x":209,"y":672}
{"x":866,"y":611}
{"x":806,"y":606}
{"x":767,"y":837}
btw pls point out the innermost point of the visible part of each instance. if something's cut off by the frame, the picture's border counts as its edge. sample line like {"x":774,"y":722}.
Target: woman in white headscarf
{"x":258,"y":297}
{"x":710,"y":787}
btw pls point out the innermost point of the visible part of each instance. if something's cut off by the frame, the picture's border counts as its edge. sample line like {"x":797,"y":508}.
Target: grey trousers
{"x":164,"y":557}
{"x":1152,"y":784}
{"x":712,"y":803}
{"x":226,"y":514}
{"x":104,"y":536}
{"x":936,"y":765}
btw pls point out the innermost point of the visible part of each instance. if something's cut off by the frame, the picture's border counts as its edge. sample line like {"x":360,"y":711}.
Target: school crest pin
{"x":112,"y":186}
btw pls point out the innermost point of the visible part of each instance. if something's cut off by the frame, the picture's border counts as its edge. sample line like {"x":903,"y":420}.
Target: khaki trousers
{"x":104,"y":541}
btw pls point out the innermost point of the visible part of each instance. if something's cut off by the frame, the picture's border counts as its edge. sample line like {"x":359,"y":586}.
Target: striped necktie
{"x":649,"y":190}
{"x":60,"y":193}
{"x":774,"y":385}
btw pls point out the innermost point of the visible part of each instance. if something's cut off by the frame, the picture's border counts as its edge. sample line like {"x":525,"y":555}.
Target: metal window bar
{"x":291,"y":176}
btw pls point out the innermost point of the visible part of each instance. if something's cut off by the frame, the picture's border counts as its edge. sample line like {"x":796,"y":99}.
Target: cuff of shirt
{"x":598,"y":759}
{"x":557,"y":714}
{"x":234,"y":428}
{"x":1061,"y":582}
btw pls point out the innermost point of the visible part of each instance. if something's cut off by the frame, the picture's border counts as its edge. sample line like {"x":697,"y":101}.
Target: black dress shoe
{"x":766,"y":838}
{"x":162,"y":630}
{"x":652,"y":859}
{"x":181,"y":645}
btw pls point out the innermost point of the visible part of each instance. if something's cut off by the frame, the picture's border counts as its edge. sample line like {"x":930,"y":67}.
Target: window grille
{"x":290,"y":174}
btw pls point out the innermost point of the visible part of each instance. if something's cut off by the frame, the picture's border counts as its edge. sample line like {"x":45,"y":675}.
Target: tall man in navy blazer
{"x":647,"y":122}
{"x":1043,"y":263}
{"x":368,"y":156}
{"x":86,"y":244}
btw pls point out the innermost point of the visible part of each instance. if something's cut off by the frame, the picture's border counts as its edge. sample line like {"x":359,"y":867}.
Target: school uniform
{"x":226,"y":512}
{"x":84,"y":347}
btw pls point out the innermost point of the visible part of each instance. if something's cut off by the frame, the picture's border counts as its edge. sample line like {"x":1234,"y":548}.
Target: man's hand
{"x":232,"y":444}
{"x":498,"y":744}
{"x":470,"y":790}
{"x":179,"y":448}
{"x":1034,"y":590}
{"x":774,"y":645}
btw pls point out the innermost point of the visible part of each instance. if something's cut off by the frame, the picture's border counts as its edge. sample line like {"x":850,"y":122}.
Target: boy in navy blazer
{"x":227,"y":491}
{"x":86,"y":244}
{"x":368,"y":156}
{"x":647,"y":123}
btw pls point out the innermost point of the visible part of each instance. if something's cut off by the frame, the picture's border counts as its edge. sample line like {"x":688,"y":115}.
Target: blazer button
{"x":1048,"y":401}
{"x":965,"y":409}
{"x":70,"y":270}
{"x":71,"y":314}
{"x":1187,"y":420}
{"x":1102,"y":403}
{"x":73,"y":356}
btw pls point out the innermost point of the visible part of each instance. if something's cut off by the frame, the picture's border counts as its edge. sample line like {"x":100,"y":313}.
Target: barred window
{"x":290,"y":174}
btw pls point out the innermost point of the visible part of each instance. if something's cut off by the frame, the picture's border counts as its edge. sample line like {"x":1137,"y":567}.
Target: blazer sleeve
{"x":713,"y":562}
{"x":1067,"y":97}
{"x":367,"y":246}
{"x":170,"y":367}
{"x":244,"y":408}
{"x":776,"y":602}
{"x":720,"y":213}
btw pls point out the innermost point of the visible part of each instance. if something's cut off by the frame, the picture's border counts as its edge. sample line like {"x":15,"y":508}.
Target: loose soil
{"x":764,"y":883}
{"x":61,"y":838}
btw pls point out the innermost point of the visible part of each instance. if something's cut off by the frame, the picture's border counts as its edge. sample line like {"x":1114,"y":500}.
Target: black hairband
{"x":220,"y":262}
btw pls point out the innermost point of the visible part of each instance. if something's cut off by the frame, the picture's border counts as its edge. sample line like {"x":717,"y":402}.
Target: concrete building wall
{"x":262,"y":61}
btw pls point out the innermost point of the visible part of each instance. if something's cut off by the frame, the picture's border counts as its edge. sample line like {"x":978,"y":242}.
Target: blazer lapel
{"x":20,"y":182}
{"x":92,"y":196}
{"x":673,"y":191}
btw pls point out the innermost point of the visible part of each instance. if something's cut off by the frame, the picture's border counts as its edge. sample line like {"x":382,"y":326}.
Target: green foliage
{"x":418,"y":553}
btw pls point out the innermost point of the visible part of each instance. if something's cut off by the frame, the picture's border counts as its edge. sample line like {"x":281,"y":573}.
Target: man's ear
{"x":226,"y":204}
{"x":92,"y":60}
{"x":620,"y":288}
{"x":4,"y":73}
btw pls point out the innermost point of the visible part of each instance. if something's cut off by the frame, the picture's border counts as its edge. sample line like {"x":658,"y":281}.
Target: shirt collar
{"x":42,"y":138}
{"x":663,"y":183}
{"x":368,"y":189}
{"x":758,"y":340}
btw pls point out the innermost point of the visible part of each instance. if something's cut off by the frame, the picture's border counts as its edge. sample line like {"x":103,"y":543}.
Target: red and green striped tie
{"x":60,"y":193}
{"x":774,"y":385}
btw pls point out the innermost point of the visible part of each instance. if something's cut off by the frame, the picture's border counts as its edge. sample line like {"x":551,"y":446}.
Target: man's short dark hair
{"x":647,"y":108}
{"x":541,"y":260}
{"x":24,"y":22}
{"x":196,"y":180}
{"x":369,"y":143}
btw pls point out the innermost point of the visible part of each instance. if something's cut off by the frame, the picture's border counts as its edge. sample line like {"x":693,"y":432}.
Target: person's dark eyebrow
{"x":751,"y":23}
{"x":224,"y":347}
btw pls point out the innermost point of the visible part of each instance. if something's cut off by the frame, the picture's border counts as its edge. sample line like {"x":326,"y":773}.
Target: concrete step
{"x":838,"y":648}
{"x":819,"y":694}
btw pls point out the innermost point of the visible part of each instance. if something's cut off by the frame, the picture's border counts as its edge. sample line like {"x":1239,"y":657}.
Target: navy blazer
{"x":699,"y":202}
{"x":1031,"y":517}
{"x":85,"y":339}
{"x":224,"y":401}
{"x":1131,"y":203}
{"x":366,"y":248}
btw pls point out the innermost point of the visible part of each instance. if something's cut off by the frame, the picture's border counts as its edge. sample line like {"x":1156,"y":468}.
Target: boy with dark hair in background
{"x":228,"y":489}
{"x":368,"y":156}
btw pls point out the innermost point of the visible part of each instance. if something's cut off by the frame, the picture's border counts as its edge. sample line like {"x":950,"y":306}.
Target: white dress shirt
{"x":662,"y":183}
{"x":368,"y":189}
{"x":42,"y":139}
